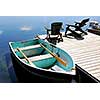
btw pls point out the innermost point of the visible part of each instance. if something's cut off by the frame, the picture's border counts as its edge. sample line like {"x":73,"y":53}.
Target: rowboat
{"x":94,"y":27}
{"x":95,"y":31}
{"x":42,"y":59}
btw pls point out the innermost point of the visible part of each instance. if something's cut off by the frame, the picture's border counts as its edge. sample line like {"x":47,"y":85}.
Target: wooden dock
{"x":86,"y":53}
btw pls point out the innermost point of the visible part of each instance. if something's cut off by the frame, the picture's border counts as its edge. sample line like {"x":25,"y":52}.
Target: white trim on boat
{"x":72,"y":72}
{"x":29,"y":47}
{"x":18,"y":57}
{"x":58,"y":69}
{"x":40,"y":57}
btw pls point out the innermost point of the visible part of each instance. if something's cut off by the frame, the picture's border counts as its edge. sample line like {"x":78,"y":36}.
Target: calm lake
{"x":16,"y":28}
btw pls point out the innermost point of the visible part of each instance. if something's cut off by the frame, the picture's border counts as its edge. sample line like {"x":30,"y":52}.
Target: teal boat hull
{"x":40,"y":73}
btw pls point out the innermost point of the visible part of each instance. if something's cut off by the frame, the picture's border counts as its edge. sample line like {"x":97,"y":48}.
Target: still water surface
{"x":11,"y":30}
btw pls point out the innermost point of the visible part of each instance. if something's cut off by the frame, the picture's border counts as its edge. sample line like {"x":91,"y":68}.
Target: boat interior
{"x":38,"y":55}
{"x":34,"y":52}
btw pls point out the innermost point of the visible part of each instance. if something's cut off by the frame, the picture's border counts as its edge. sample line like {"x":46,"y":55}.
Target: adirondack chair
{"x":78,"y":27}
{"x":53,"y":34}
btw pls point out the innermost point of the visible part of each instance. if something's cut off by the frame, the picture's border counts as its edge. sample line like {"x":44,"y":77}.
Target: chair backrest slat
{"x":55,"y":28}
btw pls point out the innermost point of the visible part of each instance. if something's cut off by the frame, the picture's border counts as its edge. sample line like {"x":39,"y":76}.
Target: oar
{"x":24,"y":56}
{"x":54,"y":55}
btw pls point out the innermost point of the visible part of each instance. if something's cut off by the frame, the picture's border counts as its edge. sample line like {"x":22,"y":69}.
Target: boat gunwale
{"x":34,"y":66}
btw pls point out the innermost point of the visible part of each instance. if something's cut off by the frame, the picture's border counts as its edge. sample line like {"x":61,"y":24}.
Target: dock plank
{"x":86,"y":53}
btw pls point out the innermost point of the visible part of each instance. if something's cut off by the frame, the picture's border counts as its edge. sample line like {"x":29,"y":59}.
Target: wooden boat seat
{"x":29,"y":47}
{"x":40,"y":57}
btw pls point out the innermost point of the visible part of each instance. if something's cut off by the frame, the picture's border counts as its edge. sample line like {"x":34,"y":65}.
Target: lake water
{"x":10,"y":30}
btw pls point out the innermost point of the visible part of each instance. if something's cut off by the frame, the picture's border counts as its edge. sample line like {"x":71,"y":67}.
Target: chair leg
{"x":67,"y":29}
